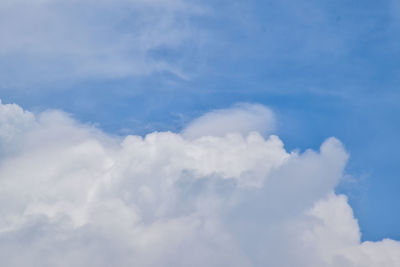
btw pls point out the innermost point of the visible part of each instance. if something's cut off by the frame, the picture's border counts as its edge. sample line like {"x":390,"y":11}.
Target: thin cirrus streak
{"x":50,"y":40}
{"x":73,"y":195}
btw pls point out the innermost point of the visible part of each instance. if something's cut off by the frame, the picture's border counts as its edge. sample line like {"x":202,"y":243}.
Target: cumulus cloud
{"x":51,"y":39}
{"x":72,"y":195}
{"x":242,"y":118}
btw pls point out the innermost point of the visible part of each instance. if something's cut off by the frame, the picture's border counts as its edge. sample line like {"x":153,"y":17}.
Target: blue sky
{"x":326,"y":68}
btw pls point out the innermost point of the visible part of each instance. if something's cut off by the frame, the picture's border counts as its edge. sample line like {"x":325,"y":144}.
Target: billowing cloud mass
{"x":50,"y":40}
{"x":72,"y":195}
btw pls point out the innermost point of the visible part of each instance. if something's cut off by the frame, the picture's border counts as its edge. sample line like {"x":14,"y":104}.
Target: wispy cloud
{"x":52,"y":40}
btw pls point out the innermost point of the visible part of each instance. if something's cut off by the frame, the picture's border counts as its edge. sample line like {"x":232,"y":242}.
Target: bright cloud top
{"x":50,"y":40}
{"x":242,"y":118}
{"x":72,"y":195}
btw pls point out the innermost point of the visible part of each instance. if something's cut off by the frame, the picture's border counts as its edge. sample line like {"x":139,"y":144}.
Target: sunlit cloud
{"x":73,"y":195}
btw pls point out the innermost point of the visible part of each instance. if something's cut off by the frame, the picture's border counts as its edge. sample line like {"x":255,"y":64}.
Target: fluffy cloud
{"x":72,"y":195}
{"x":242,"y":118}
{"x":51,"y":39}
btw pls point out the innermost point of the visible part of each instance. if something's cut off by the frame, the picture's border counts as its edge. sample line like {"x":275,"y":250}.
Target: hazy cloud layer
{"x":72,"y":195}
{"x":51,"y":40}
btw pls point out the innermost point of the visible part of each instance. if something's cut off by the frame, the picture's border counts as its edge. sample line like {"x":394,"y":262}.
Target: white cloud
{"x":242,"y":118}
{"x":72,"y":195}
{"x":51,"y":39}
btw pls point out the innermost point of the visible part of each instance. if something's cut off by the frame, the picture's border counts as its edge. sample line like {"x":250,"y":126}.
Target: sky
{"x":221,"y":128}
